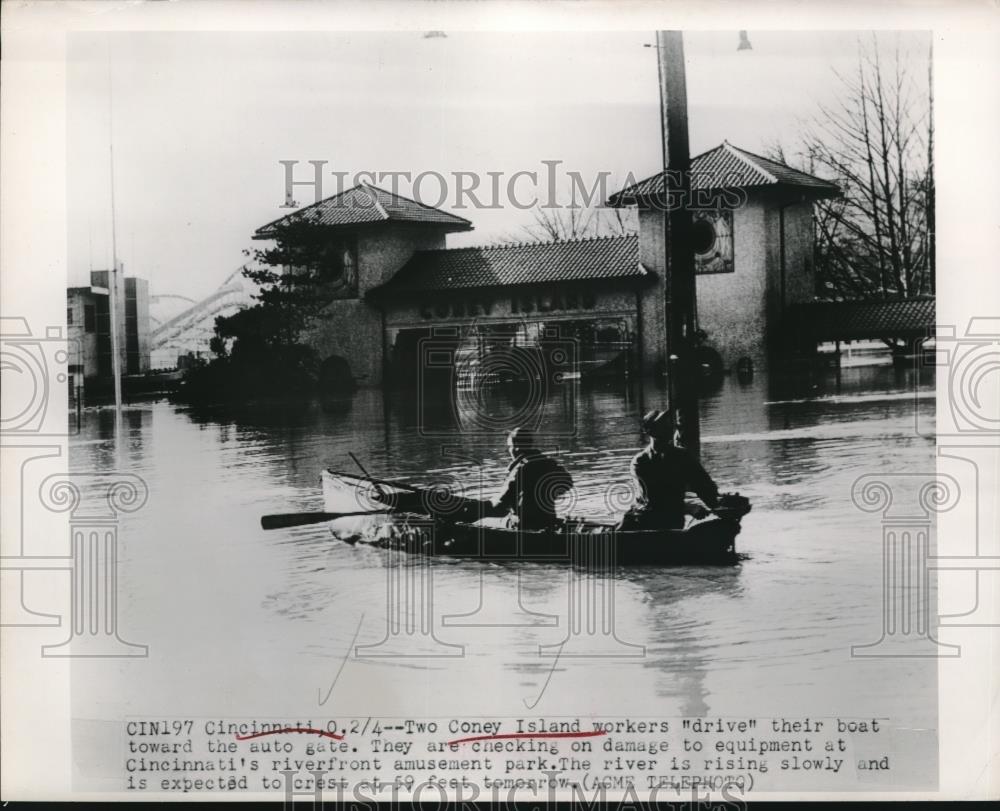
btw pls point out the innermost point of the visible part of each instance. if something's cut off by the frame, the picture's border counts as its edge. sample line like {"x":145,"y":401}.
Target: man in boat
{"x":534,"y":482}
{"x":671,"y":482}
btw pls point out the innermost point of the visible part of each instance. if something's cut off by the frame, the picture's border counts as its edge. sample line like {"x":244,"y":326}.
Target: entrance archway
{"x":335,"y":376}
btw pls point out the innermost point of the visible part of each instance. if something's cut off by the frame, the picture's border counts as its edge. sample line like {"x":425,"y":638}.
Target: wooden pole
{"x":680,"y":278}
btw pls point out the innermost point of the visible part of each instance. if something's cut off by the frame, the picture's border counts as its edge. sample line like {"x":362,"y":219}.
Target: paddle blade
{"x":283,"y":520}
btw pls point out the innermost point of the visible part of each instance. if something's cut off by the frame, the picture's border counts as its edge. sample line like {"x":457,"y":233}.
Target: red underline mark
{"x":307,"y":730}
{"x":511,"y":735}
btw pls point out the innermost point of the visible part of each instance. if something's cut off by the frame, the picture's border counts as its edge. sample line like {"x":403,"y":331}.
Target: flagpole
{"x":113,"y":303}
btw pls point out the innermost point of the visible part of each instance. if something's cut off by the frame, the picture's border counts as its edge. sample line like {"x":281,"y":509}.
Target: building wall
{"x":93,"y":336}
{"x":796,"y":281}
{"x":352,"y":328}
{"x":83,"y":341}
{"x":583,"y":328}
{"x":385,"y":248}
{"x":102,"y":278}
{"x":652,"y":313}
{"x":732,"y":306}
{"x":137,"y":330}
{"x":799,"y":243}
{"x":740,"y":311}
{"x":558,"y":302}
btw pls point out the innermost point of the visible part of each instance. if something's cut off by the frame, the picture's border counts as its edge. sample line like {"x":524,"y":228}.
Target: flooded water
{"x":242,"y":621}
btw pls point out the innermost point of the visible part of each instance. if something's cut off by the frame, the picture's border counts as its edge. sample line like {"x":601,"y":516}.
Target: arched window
{"x":340,"y":268}
{"x":350,"y":271}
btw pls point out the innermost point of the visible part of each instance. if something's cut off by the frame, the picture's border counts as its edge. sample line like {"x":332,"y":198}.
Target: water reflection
{"x":675,"y":605}
{"x":286,"y":605}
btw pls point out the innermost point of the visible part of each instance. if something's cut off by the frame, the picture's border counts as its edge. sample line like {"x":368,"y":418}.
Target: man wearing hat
{"x":665,"y":473}
{"x":534,"y":482}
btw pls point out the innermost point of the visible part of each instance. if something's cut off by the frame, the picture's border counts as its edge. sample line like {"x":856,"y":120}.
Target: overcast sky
{"x":200,"y":121}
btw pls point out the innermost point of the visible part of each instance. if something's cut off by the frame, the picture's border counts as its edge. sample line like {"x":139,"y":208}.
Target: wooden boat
{"x":420,"y":521}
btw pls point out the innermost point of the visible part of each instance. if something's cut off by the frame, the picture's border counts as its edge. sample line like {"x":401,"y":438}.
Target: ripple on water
{"x":778,"y":624}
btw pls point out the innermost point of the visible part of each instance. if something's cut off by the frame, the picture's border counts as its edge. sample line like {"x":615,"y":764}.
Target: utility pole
{"x":679,"y":260}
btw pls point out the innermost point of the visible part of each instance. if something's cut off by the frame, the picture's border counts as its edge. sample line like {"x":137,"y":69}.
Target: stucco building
{"x":399,"y":291}
{"x":88,"y":318}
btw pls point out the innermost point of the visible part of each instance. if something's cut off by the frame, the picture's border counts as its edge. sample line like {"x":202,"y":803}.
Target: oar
{"x":387,"y":482}
{"x":283,"y":520}
{"x":414,"y":492}
{"x":401,"y":501}
{"x":378,"y":486}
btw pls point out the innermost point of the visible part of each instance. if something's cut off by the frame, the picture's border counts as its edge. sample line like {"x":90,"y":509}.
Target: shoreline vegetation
{"x":260,"y":350}
{"x":262,"y":373}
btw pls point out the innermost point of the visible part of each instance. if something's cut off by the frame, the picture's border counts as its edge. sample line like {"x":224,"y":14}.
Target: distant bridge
{"x":168,"y":300}
{"x":191,"y":330}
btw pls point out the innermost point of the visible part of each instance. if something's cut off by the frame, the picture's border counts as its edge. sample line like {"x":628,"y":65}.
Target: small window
{"x":339,"y":268}
{"x":69,"y":316}
{"x":90,"y":317}
{"x":350,"y":270}
{"x":712,"y":235}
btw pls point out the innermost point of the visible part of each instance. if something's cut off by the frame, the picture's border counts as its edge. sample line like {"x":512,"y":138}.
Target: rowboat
{"x":422,"y":521}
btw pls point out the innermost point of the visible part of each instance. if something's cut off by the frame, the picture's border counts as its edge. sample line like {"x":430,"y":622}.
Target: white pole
{"x":113,"y":304}
{"x":116,"y":366}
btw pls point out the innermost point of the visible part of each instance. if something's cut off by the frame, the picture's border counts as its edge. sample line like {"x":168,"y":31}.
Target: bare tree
{"x":619,"y":221}
{"x":577,"y":222}
{"x":876,"y":241}
{"x":929,"y":197}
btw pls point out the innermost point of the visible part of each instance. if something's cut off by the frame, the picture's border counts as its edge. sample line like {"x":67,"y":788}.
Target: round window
{"x":703,"y":236}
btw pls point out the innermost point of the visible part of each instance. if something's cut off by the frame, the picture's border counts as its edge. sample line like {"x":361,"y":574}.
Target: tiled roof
{"x":855,"y":320}
{"x":728,"y":167}
{"x":364,"y":204}
{"x":531,"y":263}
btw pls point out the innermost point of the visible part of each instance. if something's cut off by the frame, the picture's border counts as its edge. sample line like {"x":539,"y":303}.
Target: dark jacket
{"x":663,"y":477}
{"x":534,"y":482}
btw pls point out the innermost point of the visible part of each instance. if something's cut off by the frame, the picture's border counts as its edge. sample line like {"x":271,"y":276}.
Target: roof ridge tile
{"x":331,"y":212}
{"x":372,"y":192}
{"x":745,"y":158}
{"x":719,"y":163}
{"x":592,"y":258}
